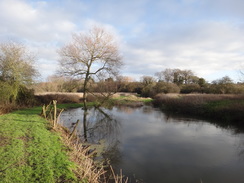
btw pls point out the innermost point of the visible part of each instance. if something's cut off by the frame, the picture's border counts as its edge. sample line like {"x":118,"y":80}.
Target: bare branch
{"x":91,"y":53}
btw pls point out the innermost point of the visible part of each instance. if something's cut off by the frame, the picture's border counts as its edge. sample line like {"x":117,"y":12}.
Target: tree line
{"x":166,"y":81}
{"x":90,"y":63}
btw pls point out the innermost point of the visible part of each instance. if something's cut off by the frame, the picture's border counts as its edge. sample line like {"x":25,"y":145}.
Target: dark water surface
{"x":151,"y":147}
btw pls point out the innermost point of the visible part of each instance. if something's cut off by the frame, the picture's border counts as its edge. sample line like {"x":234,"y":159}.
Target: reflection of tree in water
{"x":125,"y":109}
{"x":99,"y":127}
{"x":240,"y":146}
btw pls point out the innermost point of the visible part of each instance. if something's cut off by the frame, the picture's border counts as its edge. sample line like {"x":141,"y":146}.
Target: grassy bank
{"x":226,"y":108}
{"x":32,"y":151}
{"x":29,"y":152}
{"x":75,"y":99}
{"x":129,"y":100}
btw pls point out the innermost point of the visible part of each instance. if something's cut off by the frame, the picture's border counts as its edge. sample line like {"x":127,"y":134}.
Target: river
{"x":152,"y":147}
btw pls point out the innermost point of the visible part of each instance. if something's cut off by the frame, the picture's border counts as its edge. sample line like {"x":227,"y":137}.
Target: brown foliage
{"x":61,"y":98}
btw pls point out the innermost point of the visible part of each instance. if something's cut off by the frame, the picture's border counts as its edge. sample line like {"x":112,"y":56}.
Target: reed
{"x":229,"y":108}
{"x":86,"y":169}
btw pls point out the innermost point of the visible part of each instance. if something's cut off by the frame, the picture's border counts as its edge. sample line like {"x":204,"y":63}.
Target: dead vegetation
{"x":3,"y":140}
{"x":85,"y":167}
{"x":225,"y":107}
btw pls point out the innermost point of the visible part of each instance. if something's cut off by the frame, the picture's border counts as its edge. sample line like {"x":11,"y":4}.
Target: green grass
{"x":29,"y":152}
{"x":121,"y":100}
{"x":129,"y":100}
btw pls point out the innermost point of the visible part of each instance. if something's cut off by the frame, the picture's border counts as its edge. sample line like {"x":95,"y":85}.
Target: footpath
{"x":30,"y":152}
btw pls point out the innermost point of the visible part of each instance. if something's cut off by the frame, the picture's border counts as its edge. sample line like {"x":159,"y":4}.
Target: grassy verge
{"x":226,"y":108}
{"x":32,"y":151}
{"x":29,"y":152}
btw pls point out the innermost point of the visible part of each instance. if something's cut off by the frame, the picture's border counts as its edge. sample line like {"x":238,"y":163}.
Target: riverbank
{"x":129,"y":100}
{"x":73,"y":100}
{"x":229,"y":109}
{"x":30,"y":152}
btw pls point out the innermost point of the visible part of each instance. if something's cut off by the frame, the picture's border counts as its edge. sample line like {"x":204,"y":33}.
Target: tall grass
{"x":86,"y":169}
{"x":228,"y":108}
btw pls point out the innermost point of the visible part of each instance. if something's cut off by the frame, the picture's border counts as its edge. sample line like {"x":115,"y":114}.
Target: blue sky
{"x":206,"y":36}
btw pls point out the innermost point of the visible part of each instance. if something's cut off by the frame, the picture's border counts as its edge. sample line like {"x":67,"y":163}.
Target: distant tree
{"x":225,"y":80}
{"x":63,"y":84}
{"x":187,"y":76}
{"x":176,"y":76}
{"x":223,"y":85}
{"x":94,"y":54}
{"x":165,"y":75}
{"x":201,"y":82}
{"x":147,"y":80}
{"x":125,"y":84}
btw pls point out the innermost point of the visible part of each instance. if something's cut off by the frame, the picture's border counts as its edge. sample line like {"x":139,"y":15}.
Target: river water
{"x":151,"y":147}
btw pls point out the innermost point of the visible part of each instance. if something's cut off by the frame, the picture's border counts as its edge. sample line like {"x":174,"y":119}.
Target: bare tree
{"x":147,"y":80}
{"x":176,"y":76}
{"x":91,"y":55}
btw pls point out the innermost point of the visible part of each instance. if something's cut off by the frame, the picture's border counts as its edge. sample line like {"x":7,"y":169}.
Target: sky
{"x":205,"y":36}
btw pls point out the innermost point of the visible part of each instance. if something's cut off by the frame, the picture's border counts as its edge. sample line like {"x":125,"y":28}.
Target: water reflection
{"x":155,"y":147}
{"x":95,"y":126}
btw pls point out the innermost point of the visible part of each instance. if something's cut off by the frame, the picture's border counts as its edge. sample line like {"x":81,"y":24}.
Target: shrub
{"x":8,"y":92}
{"x":190,"y":88}
{"x":61,"y":98}
{"x":25,"y":96}
{"x":163,"y":87}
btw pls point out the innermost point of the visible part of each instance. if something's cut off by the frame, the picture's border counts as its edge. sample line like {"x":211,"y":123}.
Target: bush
{"x":25,"y":97}
{"x":8,"y":92}
{"x":163,"y":87}
{"x":61,"y":98}
{"x":190,"y":88}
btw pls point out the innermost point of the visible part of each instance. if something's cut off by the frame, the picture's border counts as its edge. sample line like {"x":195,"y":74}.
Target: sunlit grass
{"x":29,"y":152}
{"x":129,"y":100}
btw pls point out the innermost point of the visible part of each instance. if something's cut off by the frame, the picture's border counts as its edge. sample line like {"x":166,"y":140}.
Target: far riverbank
{"x":229,"y":109}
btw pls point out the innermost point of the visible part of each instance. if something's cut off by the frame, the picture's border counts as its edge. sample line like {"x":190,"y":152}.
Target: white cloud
{"x":153,"y":35}
{"x":205,"y":47}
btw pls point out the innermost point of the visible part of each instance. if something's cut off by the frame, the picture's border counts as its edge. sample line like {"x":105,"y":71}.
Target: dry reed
{"x":228,"y":108}
{"x":86,"y":169}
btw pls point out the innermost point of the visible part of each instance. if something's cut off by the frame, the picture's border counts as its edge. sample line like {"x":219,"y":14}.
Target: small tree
{"x":16,"y":69}
{"x":223,"y":85}
{"x":16,"y":64}
{"x":91,"y":55}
